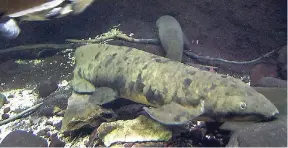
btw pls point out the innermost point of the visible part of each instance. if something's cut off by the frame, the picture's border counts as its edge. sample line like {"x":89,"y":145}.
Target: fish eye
{"x":243,"y":105}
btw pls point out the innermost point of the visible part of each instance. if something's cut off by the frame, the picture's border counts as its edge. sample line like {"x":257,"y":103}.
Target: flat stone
{"x":264,"y":134}
{"x":272,"y":82}
{"x":141,"y":129}
{"x":21,"y":138}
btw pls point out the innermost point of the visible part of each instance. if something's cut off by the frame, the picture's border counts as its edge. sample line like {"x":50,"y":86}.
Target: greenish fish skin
{"x":176,"y":92}
{"x":171,"y":37}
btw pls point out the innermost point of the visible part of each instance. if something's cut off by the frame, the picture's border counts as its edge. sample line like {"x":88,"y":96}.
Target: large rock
{"x":272,"y":82}
{"x":265,"y":134}
{"x":262,"y":70}
{"x":84,"y":111}
{"x":21,"y":138}
{"x":140,"y":129}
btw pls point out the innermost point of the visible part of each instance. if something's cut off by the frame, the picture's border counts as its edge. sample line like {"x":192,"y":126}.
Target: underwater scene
{"x":145,"y":73}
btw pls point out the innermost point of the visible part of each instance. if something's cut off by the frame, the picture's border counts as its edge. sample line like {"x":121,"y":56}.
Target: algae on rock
{"x":140,"y":129}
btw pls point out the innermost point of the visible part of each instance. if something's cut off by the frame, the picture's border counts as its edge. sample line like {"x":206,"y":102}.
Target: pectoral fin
{"x":82,"y":86}
{"x":174,"y":113}
{"x":103,"y":95}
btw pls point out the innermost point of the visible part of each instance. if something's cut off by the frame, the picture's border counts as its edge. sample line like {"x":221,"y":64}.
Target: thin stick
{"x":22,"y":114}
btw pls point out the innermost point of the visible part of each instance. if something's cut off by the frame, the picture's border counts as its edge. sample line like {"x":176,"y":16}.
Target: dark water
{"x":102,"y":15}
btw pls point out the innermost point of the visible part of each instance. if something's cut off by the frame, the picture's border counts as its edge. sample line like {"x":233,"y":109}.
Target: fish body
{"x":176,"y":92}
{"x":14,"y":11}
{"x":171,"y":37}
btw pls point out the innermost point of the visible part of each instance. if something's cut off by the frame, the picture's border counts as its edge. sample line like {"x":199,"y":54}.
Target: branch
{"x":22,"y":114}
{"x":121,"y":36}
{"x":207,"y":58}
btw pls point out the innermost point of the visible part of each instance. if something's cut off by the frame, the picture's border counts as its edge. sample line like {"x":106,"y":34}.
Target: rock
{"x":21,"y":138}
{"x":264,"y":134}
{"x":42,"y":132}
{"x":282,"y":62}
{"x":51,"y":111}
{"x":271,"y":82}
{"x":55,"y":142}
{"x":11,"y":96}
{"x":6,"y":110}
{"x":5,"y":116}
{"x":58,"y":126}
{"x":83,"y":111}
{"x":2,"y":100}
{"x":278,"y":96}
{"x":47,"y":112}
{"x":59,"y":98}
{"x":45,"y":88}
{"x":141,"y":129}
{"x":262,"y":70}
{"x":49,"y":123}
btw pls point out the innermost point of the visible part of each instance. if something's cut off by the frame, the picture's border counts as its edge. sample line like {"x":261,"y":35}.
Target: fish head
{"x":240,"y":103}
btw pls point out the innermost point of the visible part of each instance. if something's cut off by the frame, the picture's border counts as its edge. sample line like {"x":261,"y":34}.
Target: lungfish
{"x":174,"y":92}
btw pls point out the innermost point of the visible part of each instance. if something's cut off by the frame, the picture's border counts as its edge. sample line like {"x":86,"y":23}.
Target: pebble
{"x":48,"y":112}
{"x":49,"y":123}
{"x":45,"y":88}
{"x":5,"y":116}
{"x":55,"y":142}
{"x":10,"y":96}
{"x":6,"y":102}
{"x":6,"y":110}
{"x":58,"y":125}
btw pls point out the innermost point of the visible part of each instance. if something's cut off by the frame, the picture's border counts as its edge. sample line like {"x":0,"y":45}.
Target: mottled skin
{"x":171,"y":37}
{"x":176,"y":92}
